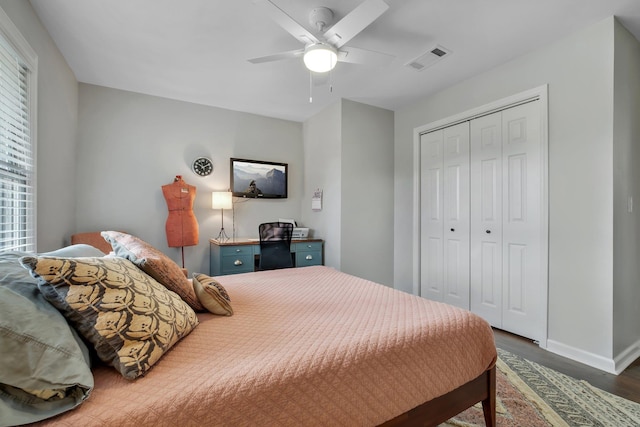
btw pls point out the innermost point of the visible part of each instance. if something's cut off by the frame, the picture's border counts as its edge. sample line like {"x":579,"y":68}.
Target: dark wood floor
{"x":626,"y":385}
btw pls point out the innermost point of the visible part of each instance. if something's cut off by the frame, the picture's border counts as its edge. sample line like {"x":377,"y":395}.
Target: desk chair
{"x":275,"y":245}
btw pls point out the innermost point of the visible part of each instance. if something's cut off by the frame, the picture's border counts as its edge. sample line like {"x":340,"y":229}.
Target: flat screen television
{"x":258,"y":179}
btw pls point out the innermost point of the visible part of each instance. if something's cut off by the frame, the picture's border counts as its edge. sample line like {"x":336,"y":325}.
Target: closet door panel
{"x":489,"y":185}
{"x":432,"y":269}
{"x":486,"y":218}
{"x":456,"y":285}
{"x":431,"y":213}
{"x":456,"y":215}
{"x":487,"y":299}
{"x":515,"y":289}
{"x":522,"y":287}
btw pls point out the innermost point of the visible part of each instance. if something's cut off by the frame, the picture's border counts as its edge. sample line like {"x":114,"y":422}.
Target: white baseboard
{"x":613,"y":366}
{"x":627,"y":357}
{"x":588,"y":358}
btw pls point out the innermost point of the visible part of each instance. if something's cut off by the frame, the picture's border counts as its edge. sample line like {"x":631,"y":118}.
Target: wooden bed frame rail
{"x":440,"y":409}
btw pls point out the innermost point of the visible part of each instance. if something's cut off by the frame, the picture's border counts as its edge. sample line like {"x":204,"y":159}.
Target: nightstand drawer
{"x":236,"y":250}
{"x":307,"y":258}
{"x":237,"y":264}
{"x":306,"y":246}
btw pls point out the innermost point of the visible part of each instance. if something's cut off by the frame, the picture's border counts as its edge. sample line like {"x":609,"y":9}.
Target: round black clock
{"x":202,"y":166}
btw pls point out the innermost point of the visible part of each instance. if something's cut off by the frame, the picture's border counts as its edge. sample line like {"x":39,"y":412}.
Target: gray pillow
{"x":76,"y":251}
{"x":44,"y":365}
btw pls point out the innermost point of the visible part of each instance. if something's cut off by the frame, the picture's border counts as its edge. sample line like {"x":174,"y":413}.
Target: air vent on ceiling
{"x":428,"y":58}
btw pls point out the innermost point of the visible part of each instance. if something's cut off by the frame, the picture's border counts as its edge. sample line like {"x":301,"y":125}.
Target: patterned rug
{"x":531,"y":395}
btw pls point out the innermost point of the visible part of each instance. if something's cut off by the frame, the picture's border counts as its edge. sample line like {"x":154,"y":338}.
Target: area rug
{"x":531,"y":395}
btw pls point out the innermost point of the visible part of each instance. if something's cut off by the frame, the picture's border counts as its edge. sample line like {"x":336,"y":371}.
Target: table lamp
{"x":222,"y":200}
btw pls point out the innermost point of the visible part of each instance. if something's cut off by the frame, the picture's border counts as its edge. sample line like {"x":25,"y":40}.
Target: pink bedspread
{"x":306,"y":346}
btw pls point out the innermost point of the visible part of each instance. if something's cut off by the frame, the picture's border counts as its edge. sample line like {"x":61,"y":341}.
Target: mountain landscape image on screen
{"x":270,"y":180}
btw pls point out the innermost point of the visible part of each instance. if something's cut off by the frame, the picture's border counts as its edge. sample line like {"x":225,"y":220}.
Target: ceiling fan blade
{"x":355,"y":21}
{"x":291,"y":54}
{"x":356,"y":55}
{"x":285,"y":21}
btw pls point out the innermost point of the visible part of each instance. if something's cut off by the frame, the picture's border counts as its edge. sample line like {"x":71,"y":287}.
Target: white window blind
{"x":17,"y":204}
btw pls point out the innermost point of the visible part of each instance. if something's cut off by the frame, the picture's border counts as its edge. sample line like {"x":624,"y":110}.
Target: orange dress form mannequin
{"x":182,"y":225}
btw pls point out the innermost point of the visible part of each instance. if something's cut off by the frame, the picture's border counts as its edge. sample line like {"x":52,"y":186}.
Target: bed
{"x":307,"y":346}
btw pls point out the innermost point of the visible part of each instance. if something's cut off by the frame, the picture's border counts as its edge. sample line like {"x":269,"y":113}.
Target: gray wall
{"x":56,"y":134}
{"x":626,"y":174}
{"x":323,"y":170}
{"x":348,"y":154}
{"x":367,"y":192}
{"x":131,"y":144}
{"x":581,"y":181}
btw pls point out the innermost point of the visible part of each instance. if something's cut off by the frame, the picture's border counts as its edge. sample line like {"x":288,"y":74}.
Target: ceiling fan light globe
{"x":320,"y":58}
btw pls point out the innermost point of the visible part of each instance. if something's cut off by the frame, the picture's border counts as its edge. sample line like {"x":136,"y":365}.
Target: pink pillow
{"x":155,"y":264}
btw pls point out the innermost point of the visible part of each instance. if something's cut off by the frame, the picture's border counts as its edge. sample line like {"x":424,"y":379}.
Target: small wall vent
{"x":428,"y":58}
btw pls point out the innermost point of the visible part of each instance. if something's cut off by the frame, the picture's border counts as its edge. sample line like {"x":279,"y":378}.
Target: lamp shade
{"x":221,"y":200}
{"x":320,"y":57}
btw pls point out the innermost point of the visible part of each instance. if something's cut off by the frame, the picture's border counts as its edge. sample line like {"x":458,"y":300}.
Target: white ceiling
{"x":197,"y":50}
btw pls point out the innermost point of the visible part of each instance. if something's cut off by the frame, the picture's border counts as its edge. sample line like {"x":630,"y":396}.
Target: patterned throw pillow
{"x":130,"y":319}
{"x":212,"y":294}
{"x":154,"y":263}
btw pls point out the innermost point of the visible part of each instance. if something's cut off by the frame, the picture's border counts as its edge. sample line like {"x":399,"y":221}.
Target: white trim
{"x":416,"y":213}
{"x":11,"y":33}
{"x":539,"y":93}
{"x":483,"y":110}
{"x":544,"y":211}
{"x":585,"y":357}
{"x":613,"y":366}
{"x":626,"y":357}
{"x":18,"y":42}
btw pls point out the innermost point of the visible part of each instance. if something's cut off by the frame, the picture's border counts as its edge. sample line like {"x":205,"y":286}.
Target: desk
{"x":242,"y":255}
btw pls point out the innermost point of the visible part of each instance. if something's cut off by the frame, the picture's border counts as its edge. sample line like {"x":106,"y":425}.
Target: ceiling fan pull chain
{"x":310,"y":87}
{"x":330,"y":81}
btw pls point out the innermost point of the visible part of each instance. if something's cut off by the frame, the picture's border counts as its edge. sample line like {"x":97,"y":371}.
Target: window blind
{"x":17,"y":205}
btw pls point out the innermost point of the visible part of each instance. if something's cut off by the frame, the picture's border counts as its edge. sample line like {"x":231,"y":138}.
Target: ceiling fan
{"x":324,"y":50}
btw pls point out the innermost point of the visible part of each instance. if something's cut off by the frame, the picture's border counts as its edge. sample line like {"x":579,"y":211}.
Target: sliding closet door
{"x":521,"y":223}
{"x":486,"y":218}
{"x":444,"y":211}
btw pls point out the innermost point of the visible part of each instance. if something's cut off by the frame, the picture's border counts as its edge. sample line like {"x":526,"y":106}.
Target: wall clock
{"x":202,"y":166}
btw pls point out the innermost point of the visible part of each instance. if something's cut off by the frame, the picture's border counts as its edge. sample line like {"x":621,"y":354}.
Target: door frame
{"x":540,"y":94}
